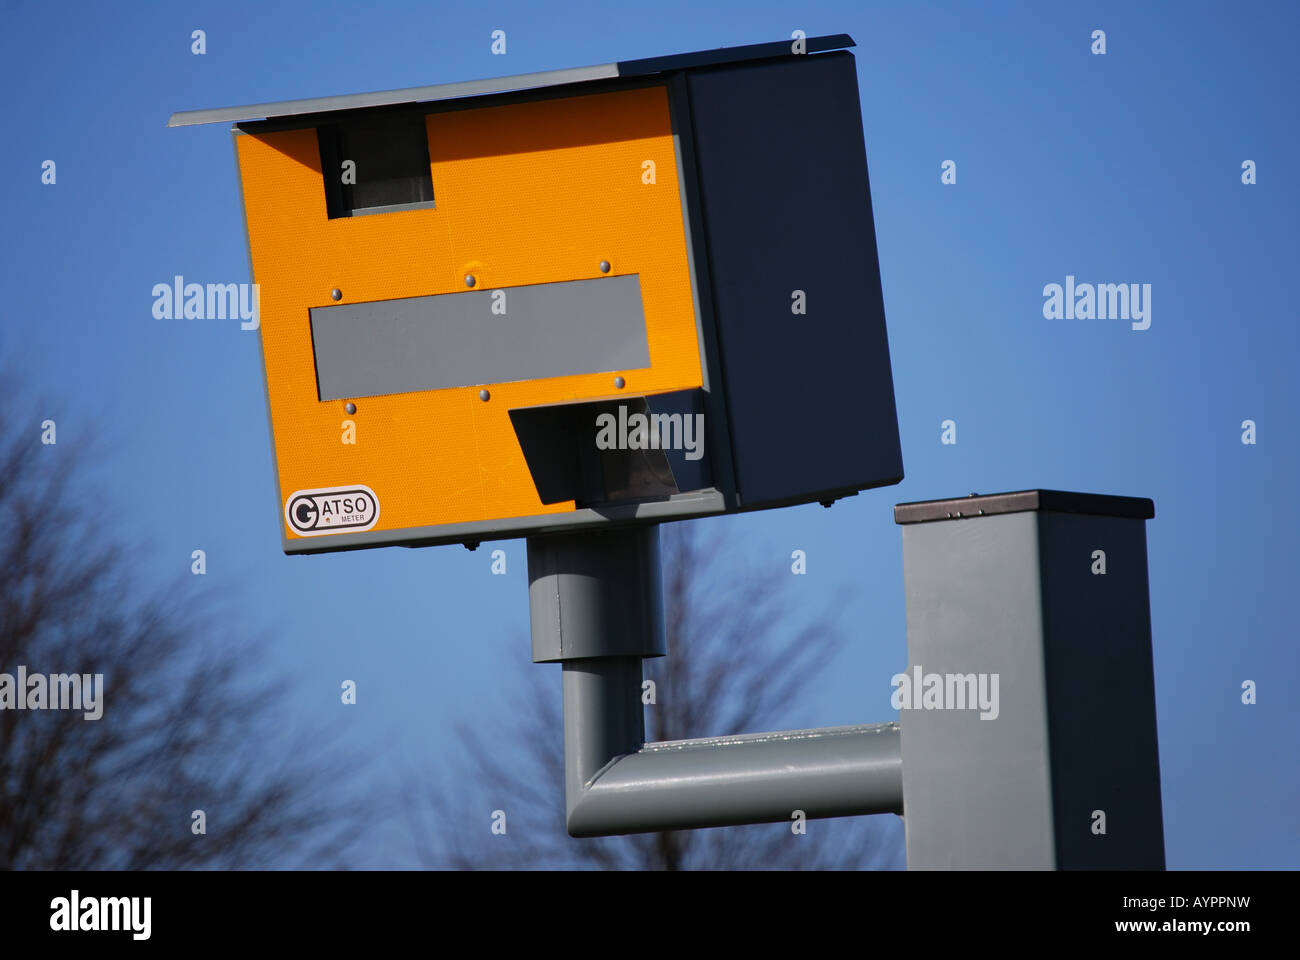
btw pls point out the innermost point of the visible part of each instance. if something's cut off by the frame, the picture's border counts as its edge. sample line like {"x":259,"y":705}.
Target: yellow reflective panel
{"x":525,"y":193}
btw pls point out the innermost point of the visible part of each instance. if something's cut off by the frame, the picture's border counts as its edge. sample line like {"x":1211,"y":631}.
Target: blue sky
{"x":1117,"y":168}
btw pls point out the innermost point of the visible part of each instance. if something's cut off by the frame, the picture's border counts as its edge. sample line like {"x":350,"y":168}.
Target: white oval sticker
{"x":312,"y":513}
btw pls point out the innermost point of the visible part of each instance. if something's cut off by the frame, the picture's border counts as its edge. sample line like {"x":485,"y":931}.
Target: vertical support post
{"x":603,"y":718}
{"x":1035,"y":606}
{"x":596,"y":605}
{"x":596,"y":595}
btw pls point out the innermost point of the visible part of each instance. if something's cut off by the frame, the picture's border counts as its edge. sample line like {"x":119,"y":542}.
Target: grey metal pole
{"x":1039,"y":598}
{"x":596,"y":595}
{"x":596,"y":607}
{"x":755,"y":778}
{"x":603,"y":718}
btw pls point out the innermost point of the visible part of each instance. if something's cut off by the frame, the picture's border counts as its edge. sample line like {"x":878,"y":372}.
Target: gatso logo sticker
{"x":313,"y":513}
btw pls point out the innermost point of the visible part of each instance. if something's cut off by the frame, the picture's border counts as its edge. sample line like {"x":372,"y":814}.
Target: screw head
{"x":620,"y":383}
{"x":484,"y":396}
{"x":470,"y":280}
{"x":350,"y":407}
{"x":604,"y":266}
{"x":336,"y":294}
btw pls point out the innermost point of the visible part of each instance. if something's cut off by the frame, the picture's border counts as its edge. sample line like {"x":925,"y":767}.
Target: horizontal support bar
{"x":755,"y":778}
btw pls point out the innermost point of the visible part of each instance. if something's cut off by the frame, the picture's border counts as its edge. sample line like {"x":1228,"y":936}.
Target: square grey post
{"x":1047,"y":592}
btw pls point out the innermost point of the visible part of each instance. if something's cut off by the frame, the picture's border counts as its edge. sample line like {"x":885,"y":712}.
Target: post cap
{"x":1057,"y":501}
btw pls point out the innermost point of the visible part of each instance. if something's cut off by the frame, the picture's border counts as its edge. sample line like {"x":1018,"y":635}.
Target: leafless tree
{"x":739,"y":655}
{"x":182,"y":729}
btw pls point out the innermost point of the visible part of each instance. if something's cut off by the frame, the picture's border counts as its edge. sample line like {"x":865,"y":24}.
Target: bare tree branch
{"x":181,"y":730}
